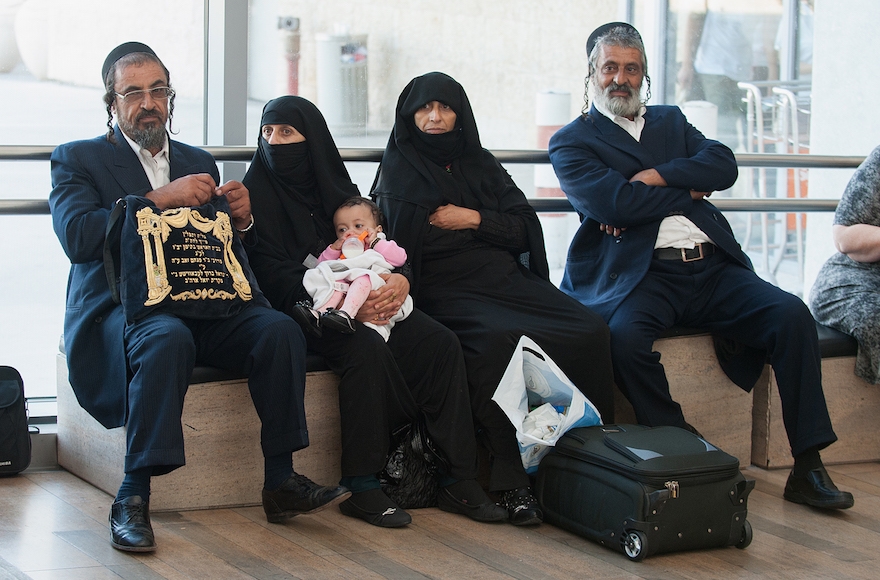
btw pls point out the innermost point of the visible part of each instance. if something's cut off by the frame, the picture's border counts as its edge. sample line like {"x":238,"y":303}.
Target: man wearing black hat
{"x":136,"y":373}
{"x":651,"y":253}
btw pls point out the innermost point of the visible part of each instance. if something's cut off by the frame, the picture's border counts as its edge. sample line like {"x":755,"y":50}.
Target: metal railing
{"x":554,"y":205}
{"x":525,"y":156}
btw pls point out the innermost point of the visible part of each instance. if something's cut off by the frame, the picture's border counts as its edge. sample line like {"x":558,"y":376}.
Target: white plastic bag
{"x":531,"y":381}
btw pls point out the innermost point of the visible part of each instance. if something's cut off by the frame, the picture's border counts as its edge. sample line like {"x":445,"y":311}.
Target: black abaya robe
{"x":294,"y":192}
{"x":489,"y":286}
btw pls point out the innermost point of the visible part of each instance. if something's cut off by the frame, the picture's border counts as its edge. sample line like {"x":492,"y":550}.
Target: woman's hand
{"x":453,"y":217}
{"x":384,"y":303}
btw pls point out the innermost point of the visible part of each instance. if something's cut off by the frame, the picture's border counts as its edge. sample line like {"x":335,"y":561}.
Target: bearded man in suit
{"x":136,"y":372}
{"x":652,"y":252}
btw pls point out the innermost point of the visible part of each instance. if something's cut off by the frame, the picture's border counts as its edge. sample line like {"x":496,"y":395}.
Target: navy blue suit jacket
{"x":594,"y":159}
{"x":87,"y":179}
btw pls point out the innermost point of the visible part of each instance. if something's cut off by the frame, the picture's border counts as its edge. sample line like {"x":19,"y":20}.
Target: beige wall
{"x":503,"y":52}
{"x":77,"y":36}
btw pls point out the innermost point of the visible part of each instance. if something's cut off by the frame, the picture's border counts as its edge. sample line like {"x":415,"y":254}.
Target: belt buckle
{"x":684,"y":257}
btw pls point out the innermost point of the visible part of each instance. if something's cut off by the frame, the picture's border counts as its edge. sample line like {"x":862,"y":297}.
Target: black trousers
{"x":490,"y":301}
{"x":384,"y":385}
{"x":729,"y":300}
{"x":260,"y":342}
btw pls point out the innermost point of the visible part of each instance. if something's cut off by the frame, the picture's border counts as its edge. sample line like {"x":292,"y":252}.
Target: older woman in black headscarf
{"x":480,"y":268}
{"x":296,"y":181}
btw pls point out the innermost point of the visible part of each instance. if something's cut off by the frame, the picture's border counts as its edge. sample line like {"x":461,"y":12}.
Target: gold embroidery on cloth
{"x":154,"y":231}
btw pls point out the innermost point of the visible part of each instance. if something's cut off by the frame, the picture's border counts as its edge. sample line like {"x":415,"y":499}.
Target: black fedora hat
{"x":123,"y":49}
{"x":604,"y":29}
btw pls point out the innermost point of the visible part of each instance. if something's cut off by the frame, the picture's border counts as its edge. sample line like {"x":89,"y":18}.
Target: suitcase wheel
{"x":746,"y":538}
{"x":635,"y":545}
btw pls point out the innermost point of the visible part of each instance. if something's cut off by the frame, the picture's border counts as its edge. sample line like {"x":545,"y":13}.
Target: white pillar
{"x":552,"y":112}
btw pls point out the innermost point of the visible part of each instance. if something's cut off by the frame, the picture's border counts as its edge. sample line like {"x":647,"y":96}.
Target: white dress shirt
{"x":157,"y":167}
{"x":676,"y":231}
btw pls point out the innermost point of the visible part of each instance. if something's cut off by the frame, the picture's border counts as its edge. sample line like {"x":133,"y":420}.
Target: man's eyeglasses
{"x":157,"y":94}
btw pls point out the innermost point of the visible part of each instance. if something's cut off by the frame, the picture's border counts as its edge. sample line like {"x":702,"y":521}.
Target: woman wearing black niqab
{"x":480,"y":267}
{"x":296,"y":181}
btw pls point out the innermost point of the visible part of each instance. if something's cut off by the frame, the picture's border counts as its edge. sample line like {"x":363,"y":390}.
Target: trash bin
{"x":290,"y":26}
{"x":703,"y":115}
{"x":342,"y":81}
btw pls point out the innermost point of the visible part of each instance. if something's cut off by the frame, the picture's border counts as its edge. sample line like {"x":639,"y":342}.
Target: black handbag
{"x":15,"y":440}
{"x":187,"y":261}
{"x":410,"y":474}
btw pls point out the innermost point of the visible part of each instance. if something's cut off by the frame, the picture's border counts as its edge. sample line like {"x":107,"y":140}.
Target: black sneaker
{"x":471,"y":501}
{"x":376,"y":508}
{"x":522,"y":507}
{"x":300,"y":495}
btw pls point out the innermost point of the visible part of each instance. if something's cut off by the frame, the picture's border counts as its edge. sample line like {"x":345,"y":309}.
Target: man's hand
{"x":649,"y":177}
{"x":453,"y":217}
{"x":239,"y":203}
{"x":384,"y":303}
{"x":611,"y":230}
{"x":186,"y":191}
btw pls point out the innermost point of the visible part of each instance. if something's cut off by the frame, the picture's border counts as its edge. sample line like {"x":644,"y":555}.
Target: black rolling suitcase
{"x":643,"y":490}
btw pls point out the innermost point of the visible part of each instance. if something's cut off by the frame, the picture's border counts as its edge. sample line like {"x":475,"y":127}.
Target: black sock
{"x":278,"y":469}
{"x":360,"y":483}
{"x":807,"y":461}
{"x":372,"y":500}
{"x":136,"y":482}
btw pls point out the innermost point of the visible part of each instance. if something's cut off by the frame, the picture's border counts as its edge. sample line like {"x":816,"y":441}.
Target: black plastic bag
{"x":410,"y":474}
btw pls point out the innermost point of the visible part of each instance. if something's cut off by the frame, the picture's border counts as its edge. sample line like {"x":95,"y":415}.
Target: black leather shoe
{"x":376,"y":508}
{"x":816,"y":489}
{"x":487,"y":511}
{"x":338,"y":320}
{"x":300,"y":495}
{"x":307,"y":317}
{"x":130,"y":528}
{"x":522,"y":507}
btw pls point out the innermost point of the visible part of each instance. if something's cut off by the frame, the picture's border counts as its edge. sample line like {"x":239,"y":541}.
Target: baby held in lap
{"x":351,"y":267}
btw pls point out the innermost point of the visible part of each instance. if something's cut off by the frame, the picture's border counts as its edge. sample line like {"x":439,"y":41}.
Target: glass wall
{"x":50,"y":92}
{"x":740,"y":68}
{"x":741,"y":71}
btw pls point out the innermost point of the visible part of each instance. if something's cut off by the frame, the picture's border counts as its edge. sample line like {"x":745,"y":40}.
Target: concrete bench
{"x":221,"y":437}
{"x":749,"y":425}
{"x":854,"y":406}
{"x":711,"y":402}
{"x":225,"y":467}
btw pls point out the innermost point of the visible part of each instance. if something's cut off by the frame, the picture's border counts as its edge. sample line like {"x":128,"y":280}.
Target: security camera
{"x":288,"y":23}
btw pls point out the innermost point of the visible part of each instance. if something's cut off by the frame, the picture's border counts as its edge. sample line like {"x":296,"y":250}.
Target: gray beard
{"x":149,"y":138}
{"x":620,"y":106}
